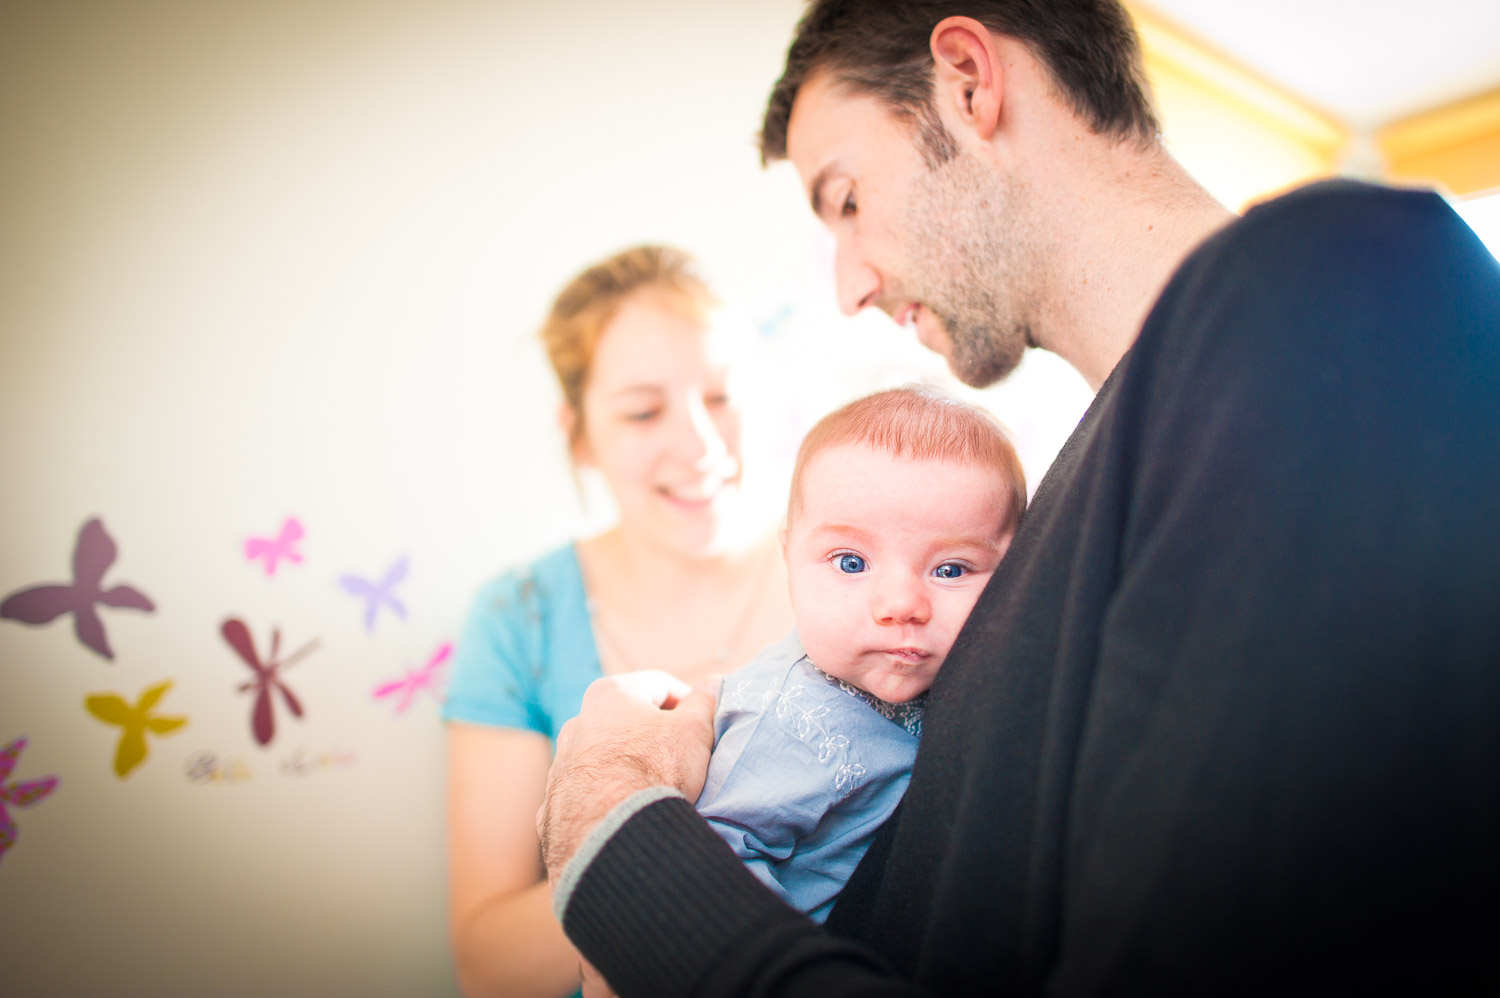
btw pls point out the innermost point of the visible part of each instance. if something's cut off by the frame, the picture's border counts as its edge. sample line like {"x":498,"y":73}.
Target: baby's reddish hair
{"x":919,"y":424}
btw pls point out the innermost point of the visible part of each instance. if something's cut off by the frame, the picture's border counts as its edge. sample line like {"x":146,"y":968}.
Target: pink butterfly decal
{"x":377,"y":593}
{"x":93,"y":554}
{"x":275,"y":549}
{"x":267,"y":676}
{"x":426,"y":678}
{"x":21,"y":794}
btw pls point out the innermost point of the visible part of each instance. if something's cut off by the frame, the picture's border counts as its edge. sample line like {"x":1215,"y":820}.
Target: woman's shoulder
{"x":550,"y":579}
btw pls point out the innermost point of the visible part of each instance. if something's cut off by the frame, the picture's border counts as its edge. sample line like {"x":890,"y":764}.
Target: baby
{"x":902,"y":505}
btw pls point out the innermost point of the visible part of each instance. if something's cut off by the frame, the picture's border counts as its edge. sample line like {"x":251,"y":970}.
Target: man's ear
{"x":567,"y":419}
{"x":968,"y":81}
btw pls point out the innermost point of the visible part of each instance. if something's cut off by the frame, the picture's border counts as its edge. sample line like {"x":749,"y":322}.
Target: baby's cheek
{"x":824,"y":643}
{"x":954,"y":616}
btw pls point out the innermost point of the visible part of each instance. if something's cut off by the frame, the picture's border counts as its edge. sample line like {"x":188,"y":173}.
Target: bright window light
{"x":1483,"y":216}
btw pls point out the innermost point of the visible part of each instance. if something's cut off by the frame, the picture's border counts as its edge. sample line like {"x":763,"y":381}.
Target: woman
{"x":674,"y":585}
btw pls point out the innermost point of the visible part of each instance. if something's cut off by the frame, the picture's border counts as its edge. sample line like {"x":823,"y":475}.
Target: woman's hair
{"x":589,"y":301}
{"x":918,"y":423}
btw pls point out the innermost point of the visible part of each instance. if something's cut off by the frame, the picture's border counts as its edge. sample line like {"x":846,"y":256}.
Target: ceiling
{"x":1366,"y":62}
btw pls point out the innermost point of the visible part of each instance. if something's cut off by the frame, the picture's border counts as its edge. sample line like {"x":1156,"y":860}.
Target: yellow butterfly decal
{"x":137,"y":720}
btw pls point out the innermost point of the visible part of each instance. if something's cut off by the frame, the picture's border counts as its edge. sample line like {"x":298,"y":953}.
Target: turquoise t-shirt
{"x":527,"y":650}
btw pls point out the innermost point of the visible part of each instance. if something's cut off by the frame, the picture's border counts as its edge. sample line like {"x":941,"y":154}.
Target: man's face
{"x":949,"y":250}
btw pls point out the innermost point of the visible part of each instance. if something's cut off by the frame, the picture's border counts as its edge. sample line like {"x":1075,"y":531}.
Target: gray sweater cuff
{"x":595,"y":840}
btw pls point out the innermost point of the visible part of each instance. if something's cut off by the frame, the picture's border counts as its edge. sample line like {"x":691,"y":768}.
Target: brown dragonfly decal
{"x":267,"y":676}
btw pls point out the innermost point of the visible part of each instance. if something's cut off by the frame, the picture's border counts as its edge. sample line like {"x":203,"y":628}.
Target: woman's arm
{"x":506,"y":940}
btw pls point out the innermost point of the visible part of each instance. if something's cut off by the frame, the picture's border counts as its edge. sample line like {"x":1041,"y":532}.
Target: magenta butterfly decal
{"x":276,"y":549}
{"x":377,"y":593}
{"x":93,"y":554}
{"x":267,"y":676}
{"x":23,"y":793}
{"x":408,"y":686}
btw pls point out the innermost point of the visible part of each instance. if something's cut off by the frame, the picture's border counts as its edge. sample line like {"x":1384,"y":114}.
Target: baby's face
{"x":885,"y":558}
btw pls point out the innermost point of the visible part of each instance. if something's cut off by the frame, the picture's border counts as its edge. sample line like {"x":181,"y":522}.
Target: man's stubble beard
{"x":975,"y":266}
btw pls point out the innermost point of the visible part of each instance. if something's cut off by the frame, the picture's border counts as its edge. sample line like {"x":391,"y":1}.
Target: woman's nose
{"x":698,"y":440}
{"x":900,"y":598}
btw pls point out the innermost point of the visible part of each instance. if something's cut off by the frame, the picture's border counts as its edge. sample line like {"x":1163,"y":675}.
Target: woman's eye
{"x":950,"y":571}
{"x":720,"y":399}
{"x":848,"y":207}
{"x":853,"y":564}
{"x":643,"y":416}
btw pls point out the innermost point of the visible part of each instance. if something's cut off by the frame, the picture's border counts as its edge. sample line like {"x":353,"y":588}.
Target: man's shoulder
{"x":1343,"y":195}
{"x":1340,"y":218}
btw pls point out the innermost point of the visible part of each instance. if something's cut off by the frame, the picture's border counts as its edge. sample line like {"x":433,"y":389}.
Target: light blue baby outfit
{"x":805,"y":769}
{"x":527,"y":651}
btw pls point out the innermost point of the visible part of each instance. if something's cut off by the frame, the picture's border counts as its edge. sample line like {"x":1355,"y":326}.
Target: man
{"x":1228,"y":716}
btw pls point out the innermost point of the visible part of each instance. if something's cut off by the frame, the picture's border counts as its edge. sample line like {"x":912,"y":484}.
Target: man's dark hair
{"x":881,"y":48}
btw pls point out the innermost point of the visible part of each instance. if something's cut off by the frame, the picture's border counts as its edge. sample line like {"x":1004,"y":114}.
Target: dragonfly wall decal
{"x":275,"y":549}
{"x":22,"y":793}
{"x":378,"y":593}
{"x":93,"y":554}
{"x":408,"y":686}
{"x":136,"y":721}
{"x":267,"y":676}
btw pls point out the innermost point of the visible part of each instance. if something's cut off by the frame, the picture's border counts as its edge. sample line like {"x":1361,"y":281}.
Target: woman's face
{"x":661,"y":427}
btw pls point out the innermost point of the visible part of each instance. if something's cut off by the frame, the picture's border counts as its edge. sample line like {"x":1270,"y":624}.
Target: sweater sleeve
{"x":665,"y":908}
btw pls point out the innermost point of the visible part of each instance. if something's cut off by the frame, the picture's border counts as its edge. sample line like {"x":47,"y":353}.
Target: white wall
{"x":285,"y":258}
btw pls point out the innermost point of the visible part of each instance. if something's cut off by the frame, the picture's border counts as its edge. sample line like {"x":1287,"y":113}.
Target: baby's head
{"x":902,"y":504}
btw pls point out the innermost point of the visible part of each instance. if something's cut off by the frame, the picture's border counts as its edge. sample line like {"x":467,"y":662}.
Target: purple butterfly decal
{"x":377,"y":594}
{"x":92,"y":556}
{"x":273,"y":549}
{"x":416,"y":680}
{"x":267,"y":676}
{"x":20,"y":794}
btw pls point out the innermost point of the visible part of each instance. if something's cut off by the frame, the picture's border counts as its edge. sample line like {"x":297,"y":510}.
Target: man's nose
{"x":858,"y":283}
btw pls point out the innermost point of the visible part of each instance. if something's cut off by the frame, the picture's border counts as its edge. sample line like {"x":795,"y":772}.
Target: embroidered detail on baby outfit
{"x":742,"y":693}
{"x":830,"y":744}
{"x":847,"y":776}
{"x":907,"y":715}
{"x":807,"y":721}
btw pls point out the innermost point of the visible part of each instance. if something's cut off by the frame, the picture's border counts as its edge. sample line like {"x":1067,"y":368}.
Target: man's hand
{"x":636,"y":730}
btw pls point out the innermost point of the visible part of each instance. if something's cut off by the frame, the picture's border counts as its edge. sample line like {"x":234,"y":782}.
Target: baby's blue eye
{"x":851,"y":563}
{"x":950,"y":571}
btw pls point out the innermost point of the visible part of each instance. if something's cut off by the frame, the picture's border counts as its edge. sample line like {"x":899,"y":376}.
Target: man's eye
{"x":950,"y":571}
{"x":853,"y":564}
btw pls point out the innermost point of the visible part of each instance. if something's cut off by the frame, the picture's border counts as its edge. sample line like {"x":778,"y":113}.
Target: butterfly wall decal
{"x":23,"y":793}
{"x":136,"y":721}
{"x":267,"y":676}
{"x":276,"y":549}
{"x":93,"y":554}
{"x":408,"y":686}
{"x":378,"y":593}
